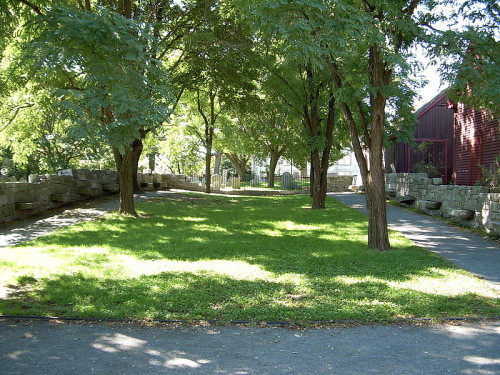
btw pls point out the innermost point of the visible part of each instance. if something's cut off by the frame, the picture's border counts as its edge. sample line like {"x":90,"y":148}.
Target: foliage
{"x":423,"y":167}
{"x":98,"y":69}
{"x":180,"y":148}
{"x":428,"y":162}
{"x":36,"y":133}
{"x":466,"y":47}
{"x":235,"y":258}
{"x":490,"y":176}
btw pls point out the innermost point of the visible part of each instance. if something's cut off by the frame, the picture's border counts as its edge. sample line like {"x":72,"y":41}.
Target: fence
{"x":283,"y":182}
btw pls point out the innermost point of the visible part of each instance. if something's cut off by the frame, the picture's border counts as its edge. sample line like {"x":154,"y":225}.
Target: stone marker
{"x":224,"y":178}
{"x":216,"y":181}
{"x":286,"y":181}
{"x":236,"y":183}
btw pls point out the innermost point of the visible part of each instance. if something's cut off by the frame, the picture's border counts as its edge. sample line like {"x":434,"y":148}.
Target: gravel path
{"x":41,"y":348}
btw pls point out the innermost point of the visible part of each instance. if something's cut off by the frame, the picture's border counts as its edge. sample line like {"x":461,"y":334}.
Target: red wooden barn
{"x":476,"y":144}
{"x":451,"y":141}
{"x":432,"y":150}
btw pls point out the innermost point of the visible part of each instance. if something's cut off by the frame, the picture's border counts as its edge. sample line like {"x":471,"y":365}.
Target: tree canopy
{"x":272,"y":78}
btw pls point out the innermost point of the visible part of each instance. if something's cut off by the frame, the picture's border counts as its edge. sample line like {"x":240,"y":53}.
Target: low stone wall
{"x":19,"y":200}
{"x":338,"y":184}
{"x":44,"y":192}
{"x":472,"y":206}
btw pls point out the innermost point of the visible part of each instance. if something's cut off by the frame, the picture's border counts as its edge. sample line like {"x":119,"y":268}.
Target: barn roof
{"x":431,"y":103}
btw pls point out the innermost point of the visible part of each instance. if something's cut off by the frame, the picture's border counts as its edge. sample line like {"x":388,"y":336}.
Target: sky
{"x":432,"y":88}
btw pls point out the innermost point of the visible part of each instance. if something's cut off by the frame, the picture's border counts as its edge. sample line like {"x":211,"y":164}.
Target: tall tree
{"x":102,"y":74}
{"x":218,"y":70}
{"x":301,"y":80}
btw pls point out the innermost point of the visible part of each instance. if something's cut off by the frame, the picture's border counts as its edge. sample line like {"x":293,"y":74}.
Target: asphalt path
{"x":41,"y":348}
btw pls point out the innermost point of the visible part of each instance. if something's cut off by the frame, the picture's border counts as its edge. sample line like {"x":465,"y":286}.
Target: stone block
{"x":408,"y":199}
{"x":427,"y":205}
{"x":63,"y":198}
{"x":3,"y":199}
{"x":493,"y":226}
{"x":391,"y":192}
{"x":437,"y":181}
{"x":85,"y":190}
{"x":462,"y":214}
{"x":111,"y":187}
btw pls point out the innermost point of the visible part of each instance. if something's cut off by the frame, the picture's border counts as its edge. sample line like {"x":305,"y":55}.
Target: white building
{"x":347,"y":166}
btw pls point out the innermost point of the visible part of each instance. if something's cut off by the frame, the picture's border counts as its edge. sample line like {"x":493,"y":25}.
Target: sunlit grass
{"x":238,"y":258}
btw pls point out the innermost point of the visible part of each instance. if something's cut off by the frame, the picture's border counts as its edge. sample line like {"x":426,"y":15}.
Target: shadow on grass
{"x":274,"y":233}
{"x":278,"y":237}
{"x":190,"y":296}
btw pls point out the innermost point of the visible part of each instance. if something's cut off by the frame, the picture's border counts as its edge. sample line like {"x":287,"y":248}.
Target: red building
{"x":432,"y":149}
{"x":476,"y":144}
{"x":451,"y":141}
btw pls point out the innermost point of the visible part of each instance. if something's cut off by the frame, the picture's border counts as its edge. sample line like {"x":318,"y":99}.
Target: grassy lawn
{"x":234,"y":258}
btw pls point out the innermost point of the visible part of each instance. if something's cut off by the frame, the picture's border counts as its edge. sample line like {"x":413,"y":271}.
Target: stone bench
{"x":64,"y":198}
{"x":408,"y":199}
{"x":390,"y":193}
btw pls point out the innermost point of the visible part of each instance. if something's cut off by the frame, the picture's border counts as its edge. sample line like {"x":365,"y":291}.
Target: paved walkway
{"x":39,"y":347}
{"x":42,"y":348}
{"x":479,"y":255}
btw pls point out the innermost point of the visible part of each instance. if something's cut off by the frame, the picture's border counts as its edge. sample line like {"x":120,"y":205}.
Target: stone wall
{"x":44,"y":192}
{"x":22,"y":199}
{"x":472,"y":206}
{"x":338,"y":183}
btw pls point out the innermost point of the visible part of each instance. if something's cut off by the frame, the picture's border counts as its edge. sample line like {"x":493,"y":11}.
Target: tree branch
{"x":32,"y":6}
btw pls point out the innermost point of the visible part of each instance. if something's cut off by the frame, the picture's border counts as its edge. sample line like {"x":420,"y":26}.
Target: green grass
{"x":234,"y":258}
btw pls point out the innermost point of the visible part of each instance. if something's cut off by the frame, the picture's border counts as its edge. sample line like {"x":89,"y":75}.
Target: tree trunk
{"x":272,"y":169}
{"x":378,"y":237}
{"x":152,"y":162}
{"x":218,"y":159}
{"x":319,"y":183}
{"x":124,"y":167}
{"x":208,"y":169}
{"x":137,"y":147}
{"x":372,"y":174}
{"x":240,"y":164}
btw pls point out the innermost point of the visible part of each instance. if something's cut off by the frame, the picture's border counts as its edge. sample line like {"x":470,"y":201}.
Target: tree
{"x":179,"y":146}
{"x":33,"y":130}
{"x":265,"y":127}
{"x":466,"y":47}
{"x":217,"y":71}
{"x":103,"y":77}
{"x":301,"y":79}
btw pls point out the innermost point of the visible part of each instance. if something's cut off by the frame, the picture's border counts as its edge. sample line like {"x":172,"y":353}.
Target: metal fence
{"x":283,"y":182}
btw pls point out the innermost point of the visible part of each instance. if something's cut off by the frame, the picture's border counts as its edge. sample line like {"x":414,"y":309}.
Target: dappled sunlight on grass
{"x":237,"y":270}
{"x":195,"y":219}
{"x":212,"y":257}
